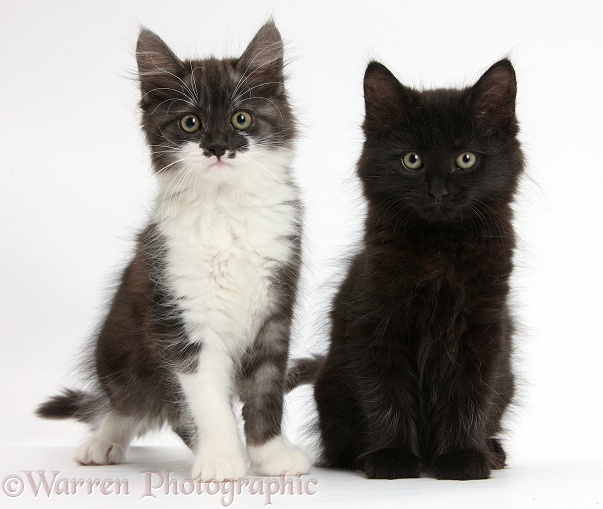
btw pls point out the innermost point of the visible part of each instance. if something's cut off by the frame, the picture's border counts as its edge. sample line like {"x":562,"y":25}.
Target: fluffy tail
{"x":303,"y":371}
{"x":79,"y":405}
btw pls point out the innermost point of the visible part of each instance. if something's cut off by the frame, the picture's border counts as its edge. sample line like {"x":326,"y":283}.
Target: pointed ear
{"x":384,"y":96}
{"x":262,"y":61}
{"x":492,"y":98}
{"x":158,"y":67}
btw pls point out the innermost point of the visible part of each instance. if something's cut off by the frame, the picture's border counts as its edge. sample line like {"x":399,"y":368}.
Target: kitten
{"x":204,"y":309}
{"x":418,"y":374}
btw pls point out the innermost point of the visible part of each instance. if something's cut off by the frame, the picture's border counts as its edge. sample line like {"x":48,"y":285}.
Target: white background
{"x":75,"y":186}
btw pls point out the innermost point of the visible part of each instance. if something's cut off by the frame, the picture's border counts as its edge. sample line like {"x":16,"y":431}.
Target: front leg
{"x":392,"y":450}
{"x":462,"y":444}
{"x":388,"y":387}
{"x":261,"y":389}
{"x":208,"y":393}
{"x":467,"y":408}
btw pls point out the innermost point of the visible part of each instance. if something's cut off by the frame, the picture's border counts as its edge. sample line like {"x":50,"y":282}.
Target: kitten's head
{"x":440,"y":155}
{"x":213,"y":118}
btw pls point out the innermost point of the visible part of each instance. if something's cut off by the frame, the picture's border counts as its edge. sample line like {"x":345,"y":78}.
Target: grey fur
{"x":143,"y":344}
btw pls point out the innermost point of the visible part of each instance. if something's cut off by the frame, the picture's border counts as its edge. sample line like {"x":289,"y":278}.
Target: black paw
{"x":498,"y":458}
{"x":391,"y":464}
{"x":462,"y":465}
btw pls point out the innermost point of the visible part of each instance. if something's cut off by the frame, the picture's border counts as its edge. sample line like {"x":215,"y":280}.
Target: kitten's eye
{"x":412,"y":161}
{"x":190,"y":123}
{"x":241,"y":120}
{"x":466,"y":160}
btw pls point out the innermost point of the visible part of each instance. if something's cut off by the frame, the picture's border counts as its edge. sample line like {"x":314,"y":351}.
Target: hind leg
{"x":498,"y":458}
{"x":338,"y":414}
{"x":188,"y":434}
{"x":109,"y":444}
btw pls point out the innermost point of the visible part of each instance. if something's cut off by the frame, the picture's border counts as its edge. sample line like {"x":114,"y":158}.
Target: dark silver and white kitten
{"x":204,"y":309}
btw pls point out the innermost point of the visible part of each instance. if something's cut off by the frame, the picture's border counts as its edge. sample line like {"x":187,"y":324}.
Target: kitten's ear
{"x":492,"y":98}
{"x":158,"y":66}
{"x":384,"y":95}
{"x":262,"y":61}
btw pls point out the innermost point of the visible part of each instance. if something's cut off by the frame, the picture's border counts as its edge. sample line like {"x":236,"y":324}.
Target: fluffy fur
{"x":203,"y":312}
{"x":418,"y":374}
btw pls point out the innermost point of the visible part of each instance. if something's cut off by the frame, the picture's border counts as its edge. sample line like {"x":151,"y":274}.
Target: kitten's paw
{"x":289,"y":460}
{"x":391,"y":464}
{"x":99,"y":452}
{"x":276,"y":458}
{"x":462,"y":465}
{"x":219,"y":467}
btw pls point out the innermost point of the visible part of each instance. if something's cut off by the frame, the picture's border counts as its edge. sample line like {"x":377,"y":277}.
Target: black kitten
{"x":418,"y":374}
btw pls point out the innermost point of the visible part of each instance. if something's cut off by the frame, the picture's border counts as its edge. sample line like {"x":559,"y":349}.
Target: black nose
{"x":437,"y":187}
{"x":438,"y":193}
{"x":218,"y":150}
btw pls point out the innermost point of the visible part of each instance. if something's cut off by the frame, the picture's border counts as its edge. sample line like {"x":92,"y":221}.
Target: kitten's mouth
{"x":219,"y":163}
{"x":438,"y":212}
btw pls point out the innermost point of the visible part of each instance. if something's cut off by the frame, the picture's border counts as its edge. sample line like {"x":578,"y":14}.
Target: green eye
{"x":190,"y":123}
{"x":412,"y":161}
{"x":466,"y":160}
{"x":241,"y":120}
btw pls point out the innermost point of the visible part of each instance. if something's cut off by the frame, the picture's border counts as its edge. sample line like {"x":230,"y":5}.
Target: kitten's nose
{"x":438,"y":192}
{"x":218,"y":150}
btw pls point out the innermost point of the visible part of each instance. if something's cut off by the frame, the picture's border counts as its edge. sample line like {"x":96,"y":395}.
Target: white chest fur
{"x":224,"y":242}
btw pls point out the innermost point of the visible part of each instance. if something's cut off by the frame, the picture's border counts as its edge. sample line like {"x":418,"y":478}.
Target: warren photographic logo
{"x":42,"y":483}
{"x":153,"y":484}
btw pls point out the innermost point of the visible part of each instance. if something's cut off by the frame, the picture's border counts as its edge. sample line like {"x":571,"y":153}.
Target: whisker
{"x":265,"y":168}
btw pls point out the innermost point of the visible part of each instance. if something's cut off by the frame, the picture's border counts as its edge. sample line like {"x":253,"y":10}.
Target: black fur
{"x":418,"y":375}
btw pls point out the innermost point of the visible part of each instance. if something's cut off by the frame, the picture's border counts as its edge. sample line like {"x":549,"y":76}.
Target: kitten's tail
{"x":303,"y":371}
{"x":80,"y":405}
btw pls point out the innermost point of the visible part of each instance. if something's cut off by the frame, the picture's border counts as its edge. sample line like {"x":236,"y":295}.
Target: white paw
{"x":288,"y":460}
{"x":219,"y":467}
{"x":99,"y":452}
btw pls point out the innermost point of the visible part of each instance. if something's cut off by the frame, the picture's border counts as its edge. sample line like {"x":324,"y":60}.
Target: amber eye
{"x":241,"y":120}
{"x":412,"y":161}
{"x":466,"y":160}
{"x":190,"y":123}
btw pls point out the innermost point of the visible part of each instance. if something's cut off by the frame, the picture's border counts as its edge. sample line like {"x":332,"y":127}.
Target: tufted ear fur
{"x":492,"y":98}
{"x":158,"y":67}
{"x":384,"y":96}
{"x":262,"y":61}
